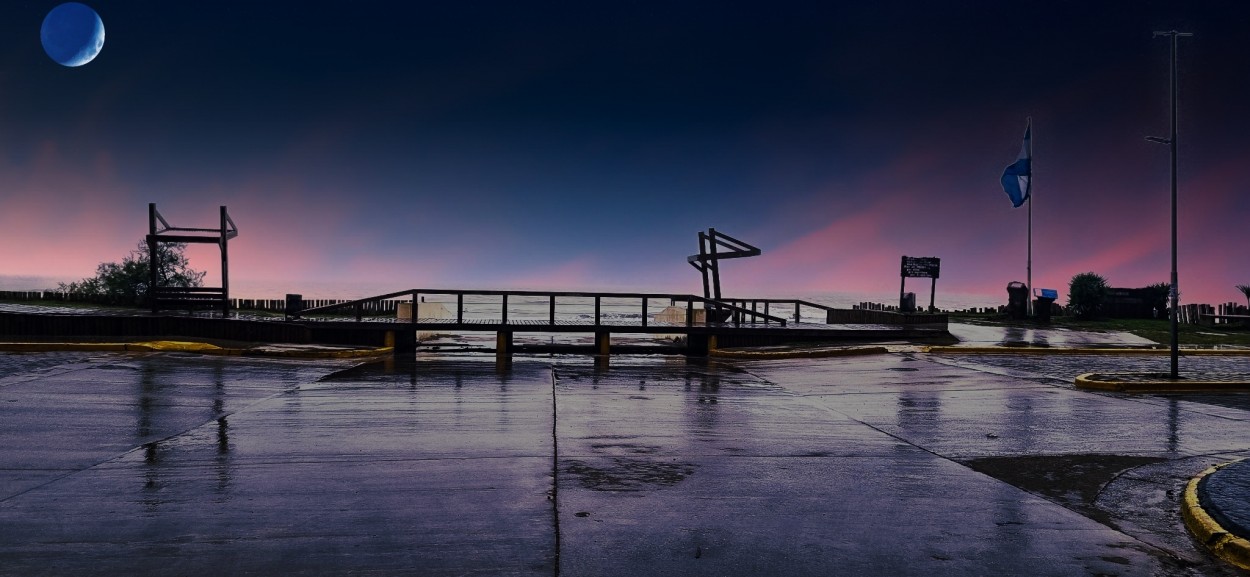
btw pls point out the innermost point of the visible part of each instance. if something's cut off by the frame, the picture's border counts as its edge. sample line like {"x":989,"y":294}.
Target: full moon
{"x":72,"y":34}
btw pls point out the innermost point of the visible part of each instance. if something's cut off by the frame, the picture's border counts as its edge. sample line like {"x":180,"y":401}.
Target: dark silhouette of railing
{"x":739,"y":314}
{"x":755,"y":304}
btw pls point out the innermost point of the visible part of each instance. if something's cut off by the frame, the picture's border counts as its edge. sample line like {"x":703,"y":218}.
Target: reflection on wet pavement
{"x":1009,"y":336}
{"x":896,"y":464}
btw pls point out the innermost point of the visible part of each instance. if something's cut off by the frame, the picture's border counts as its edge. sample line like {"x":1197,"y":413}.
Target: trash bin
{"x":908,"y":303}
{"x":294,"y":304}
{"x":1043,"y":304}
{"x":1017,"y":300}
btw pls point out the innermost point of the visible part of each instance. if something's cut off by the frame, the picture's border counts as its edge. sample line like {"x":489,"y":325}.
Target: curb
{"x":191,"y":347}
{"x":812,"y":354}
{"x":1108,"y":382}
{"x":1227,"y":546}
{"x":338,"y":354}
{"x":1080,"y":351}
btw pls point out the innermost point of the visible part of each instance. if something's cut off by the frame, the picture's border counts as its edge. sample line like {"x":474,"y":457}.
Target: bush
{"x":1086,"y":294}
{"x":126,"y":283}
{"x":1159,"y":294}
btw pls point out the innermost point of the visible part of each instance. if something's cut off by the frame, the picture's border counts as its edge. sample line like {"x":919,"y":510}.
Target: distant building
{"x":1134,"y":303}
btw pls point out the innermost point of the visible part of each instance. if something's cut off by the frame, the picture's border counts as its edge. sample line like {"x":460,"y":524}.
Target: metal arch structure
{"x":160,"y":231}
{"x":713,"y":247}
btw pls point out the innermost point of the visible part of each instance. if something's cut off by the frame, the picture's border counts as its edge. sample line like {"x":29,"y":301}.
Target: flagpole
{"x":1017,"y":181}
{"x":1029,"y":265}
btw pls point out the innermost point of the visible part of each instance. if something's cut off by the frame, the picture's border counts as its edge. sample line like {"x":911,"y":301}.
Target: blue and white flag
{"x":1016,"y":178}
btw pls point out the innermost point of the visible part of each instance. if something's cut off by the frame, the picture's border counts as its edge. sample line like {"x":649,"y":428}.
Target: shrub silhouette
{"x":126,"y":283}
{"x":1086,"y":294}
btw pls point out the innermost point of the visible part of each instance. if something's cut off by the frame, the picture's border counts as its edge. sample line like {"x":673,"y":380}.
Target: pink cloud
{"x":1101,"y":207}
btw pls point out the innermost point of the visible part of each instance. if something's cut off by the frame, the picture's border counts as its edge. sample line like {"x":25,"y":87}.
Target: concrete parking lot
{"x":894,"y":464}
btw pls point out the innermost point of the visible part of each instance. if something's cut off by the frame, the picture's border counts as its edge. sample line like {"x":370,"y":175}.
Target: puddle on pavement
{"x":625,"y":448}
{"x":626,"y":474}
{"x":1072,"y":480}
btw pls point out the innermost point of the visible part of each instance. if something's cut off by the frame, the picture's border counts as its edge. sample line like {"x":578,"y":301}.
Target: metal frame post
{"x":225,"y":264}
{"x":1171,"y":141}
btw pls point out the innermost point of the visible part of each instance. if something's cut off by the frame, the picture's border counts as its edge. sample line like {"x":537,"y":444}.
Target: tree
{"x":1159,"y":293}
{"x":126,"y":283}
{"x":1086,"y":293}
{"x":1245,"y":290}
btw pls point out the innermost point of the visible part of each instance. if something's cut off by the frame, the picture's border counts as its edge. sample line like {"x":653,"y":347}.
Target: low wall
{"x":871,"y":317}
{"x":275,"y":305}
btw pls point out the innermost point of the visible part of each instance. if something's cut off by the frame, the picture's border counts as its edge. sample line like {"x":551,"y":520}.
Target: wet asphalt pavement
{"x":896,"y":464}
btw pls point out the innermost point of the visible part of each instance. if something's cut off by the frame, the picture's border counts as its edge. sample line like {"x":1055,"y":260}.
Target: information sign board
{"x":921,"y":266}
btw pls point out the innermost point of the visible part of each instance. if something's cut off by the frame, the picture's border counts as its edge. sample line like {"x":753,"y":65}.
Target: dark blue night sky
{"x":583,"y":144}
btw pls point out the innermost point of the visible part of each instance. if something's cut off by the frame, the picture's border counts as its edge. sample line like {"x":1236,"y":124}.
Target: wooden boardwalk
{"x":737,"y":322}
{"x":741,"y":322}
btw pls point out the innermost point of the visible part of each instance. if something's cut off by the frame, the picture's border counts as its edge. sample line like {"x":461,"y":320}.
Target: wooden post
{"x":552,"y":314}
{"x":933,"y":288}
{"x":703,"y":264}
{"x":459,"y":308}
{"x":225,"y":265}
{"x":505,"y":313}
{"x":404,"y":341}
{"x":153,"y":260}
{"x":700,"y":345}
{"x":690,"y":312}
{"x":714,"y":263}
{"x":644,"y":311}
{"x":503,"y":346}
{"x":153,"y":263}
{"x":603,"y":343}
{"x":902,"y":286}
{"x":596,"y":310}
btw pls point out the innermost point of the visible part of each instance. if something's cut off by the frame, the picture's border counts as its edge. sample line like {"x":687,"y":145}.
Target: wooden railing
{"x":188,"y":297}
{"x":768,"y":304}
{"x":736,"y":314}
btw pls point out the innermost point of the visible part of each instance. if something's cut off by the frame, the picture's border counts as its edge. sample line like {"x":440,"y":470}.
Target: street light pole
{"x":1171,"y":142}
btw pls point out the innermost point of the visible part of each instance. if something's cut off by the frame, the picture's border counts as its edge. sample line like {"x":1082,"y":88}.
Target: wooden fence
{"x":1207,"y":314}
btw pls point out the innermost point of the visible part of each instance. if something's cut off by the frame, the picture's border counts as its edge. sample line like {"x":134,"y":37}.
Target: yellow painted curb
{"x":812,"y":354}
{"x":1087,"y":381}
{"x":181,"y":347}
{"x":340,"y":354}
{"x":1080,"y":351}
{"x":145,"y":346}
{"x":1231,"y":548}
